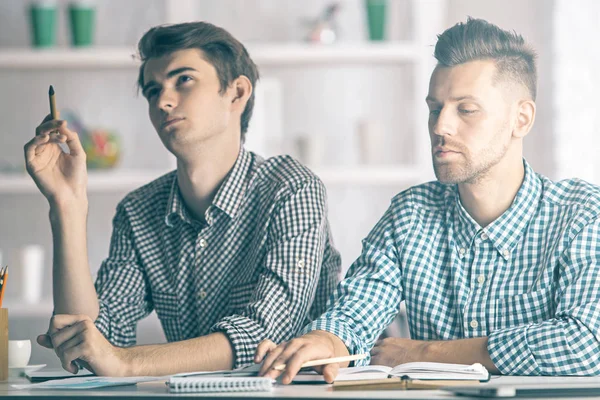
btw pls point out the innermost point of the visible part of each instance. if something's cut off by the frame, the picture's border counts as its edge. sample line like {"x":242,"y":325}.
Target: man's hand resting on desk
{"x":314,"y":345}
{"x":75,"y":337}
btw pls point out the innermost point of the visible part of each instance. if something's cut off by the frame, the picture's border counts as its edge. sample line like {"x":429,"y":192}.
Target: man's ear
{"x":525,"y":118}
{"x":242,"y":90}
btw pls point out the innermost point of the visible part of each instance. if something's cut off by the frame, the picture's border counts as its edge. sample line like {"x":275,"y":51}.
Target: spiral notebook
{"x":207,"y":384}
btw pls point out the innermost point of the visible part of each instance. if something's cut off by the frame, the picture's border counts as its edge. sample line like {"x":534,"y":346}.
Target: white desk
{"x":158,"y":390}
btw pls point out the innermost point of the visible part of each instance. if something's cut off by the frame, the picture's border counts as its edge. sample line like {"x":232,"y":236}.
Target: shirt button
{"x":462,"y":251}
{"x":203,"y":243}
{"x":474,"y":324}
{"x":202,"y":294}
{"x":506,"y":253}
{"x":480,"y":279}
{"x":484,"y":236}
{"x":300,"y":263}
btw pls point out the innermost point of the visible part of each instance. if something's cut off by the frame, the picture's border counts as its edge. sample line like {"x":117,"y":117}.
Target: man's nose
{"x":444,"y":123}
{"x":167,"y":100}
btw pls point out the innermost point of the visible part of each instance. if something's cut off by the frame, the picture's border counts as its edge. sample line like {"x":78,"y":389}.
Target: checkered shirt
{"x":530,"y":280}
{"x":262,"y":266}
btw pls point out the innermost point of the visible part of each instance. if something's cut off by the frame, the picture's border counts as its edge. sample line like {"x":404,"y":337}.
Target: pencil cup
{"x":42,"y":16}
{"x":3,"y":344}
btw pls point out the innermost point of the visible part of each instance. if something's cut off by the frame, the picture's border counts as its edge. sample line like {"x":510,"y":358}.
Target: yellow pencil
{"x":52,"y":103}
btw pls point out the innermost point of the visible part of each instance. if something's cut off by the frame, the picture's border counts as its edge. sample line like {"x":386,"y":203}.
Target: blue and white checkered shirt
{"x":262,"y":266}
{"x":530,"y":280}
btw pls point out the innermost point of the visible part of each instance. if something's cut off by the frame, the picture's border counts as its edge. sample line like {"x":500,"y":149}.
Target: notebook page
{"x":441,"y":371}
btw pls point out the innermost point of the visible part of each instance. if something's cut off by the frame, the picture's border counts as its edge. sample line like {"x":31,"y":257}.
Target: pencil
{"x":52,"y":103}
{"x":4,"y":279}
{"x":325,"y":361}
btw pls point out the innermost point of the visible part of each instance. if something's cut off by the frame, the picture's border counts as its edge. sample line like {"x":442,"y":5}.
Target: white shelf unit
{"x":427,"y":20}
{"x":264,"y":55}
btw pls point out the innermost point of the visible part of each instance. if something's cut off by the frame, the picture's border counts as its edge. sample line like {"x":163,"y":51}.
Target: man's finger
{"x":270,"y":358}
{"x":69,"y":356}
{"x":60,"y":321}
{"x":60,"y":338}
{"x":330,"y":372}
{"x":263,"y":348}
{"x":49,"y":126}
{"x":71,"y":138}
{"x":294,"y":362}
{"x":35,"y":146}
{"x":274,"y":360}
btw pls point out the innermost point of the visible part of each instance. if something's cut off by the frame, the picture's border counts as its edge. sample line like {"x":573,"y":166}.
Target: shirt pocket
{"x":523,"y":309}
{"x":167,"y":309}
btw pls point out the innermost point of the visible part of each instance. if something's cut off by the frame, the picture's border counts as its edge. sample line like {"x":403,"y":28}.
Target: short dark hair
{"x":229,"y":57}
{"x":478,"y":39}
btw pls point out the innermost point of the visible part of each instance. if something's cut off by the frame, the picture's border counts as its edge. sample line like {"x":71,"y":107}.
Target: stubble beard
{"x":469,"y":170}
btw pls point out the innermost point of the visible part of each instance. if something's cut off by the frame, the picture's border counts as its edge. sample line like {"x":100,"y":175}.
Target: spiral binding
{"x":212,"y":384}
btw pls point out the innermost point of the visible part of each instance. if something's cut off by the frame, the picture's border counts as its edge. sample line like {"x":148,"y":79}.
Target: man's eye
{"x":434,"y":112}
{"x":151,"y":93}
{"x":467,"y":111}
{"x":184,"y":78}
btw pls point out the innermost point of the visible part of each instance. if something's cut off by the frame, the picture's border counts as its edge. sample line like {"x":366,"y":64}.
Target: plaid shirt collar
{"x":228,"y":199}
{"x":506,"y":231}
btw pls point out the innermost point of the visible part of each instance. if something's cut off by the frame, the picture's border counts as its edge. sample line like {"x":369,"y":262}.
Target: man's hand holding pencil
{"x":289,"y":357}
{"x":60,"y":175}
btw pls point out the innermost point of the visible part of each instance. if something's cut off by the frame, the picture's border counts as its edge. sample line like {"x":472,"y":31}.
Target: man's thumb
{"x":44,"y":340}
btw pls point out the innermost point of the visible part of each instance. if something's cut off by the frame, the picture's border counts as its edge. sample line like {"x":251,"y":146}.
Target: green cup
{"x":82,"y":18}
{"x":376,"y":16}
{"x":42,"y":17}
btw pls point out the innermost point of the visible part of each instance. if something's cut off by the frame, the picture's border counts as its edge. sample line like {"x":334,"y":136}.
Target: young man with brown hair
{"x":229,"y":249}
{"x":497,"y":264}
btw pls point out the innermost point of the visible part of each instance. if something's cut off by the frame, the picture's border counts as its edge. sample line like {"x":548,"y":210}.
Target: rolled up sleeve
{"x":369,"y":298}
{"x":281,"y":299}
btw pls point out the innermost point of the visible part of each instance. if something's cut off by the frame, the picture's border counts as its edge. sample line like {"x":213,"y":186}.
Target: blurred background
{"x":342,"y":89}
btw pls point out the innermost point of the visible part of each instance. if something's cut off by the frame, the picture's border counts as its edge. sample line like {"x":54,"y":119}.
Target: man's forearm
{"x":207,"y":353}
{"x":461,"y":351}
{"x":73,"y":288}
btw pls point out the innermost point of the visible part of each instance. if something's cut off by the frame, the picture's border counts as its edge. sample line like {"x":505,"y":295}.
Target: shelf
{"x":98,"y":181}
{"x":126,"y":180}
{"x":262,"y":54}
{"x":369,"y":175}
{"x":349,"y":53}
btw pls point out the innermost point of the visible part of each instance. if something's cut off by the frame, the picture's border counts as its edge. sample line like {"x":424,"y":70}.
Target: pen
{"x":52,"y":103}
{"x":3,"y":280}
{"x":325,"y":361}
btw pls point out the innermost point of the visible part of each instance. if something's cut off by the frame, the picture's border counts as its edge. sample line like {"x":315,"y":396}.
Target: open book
{"x":413,"y":370}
